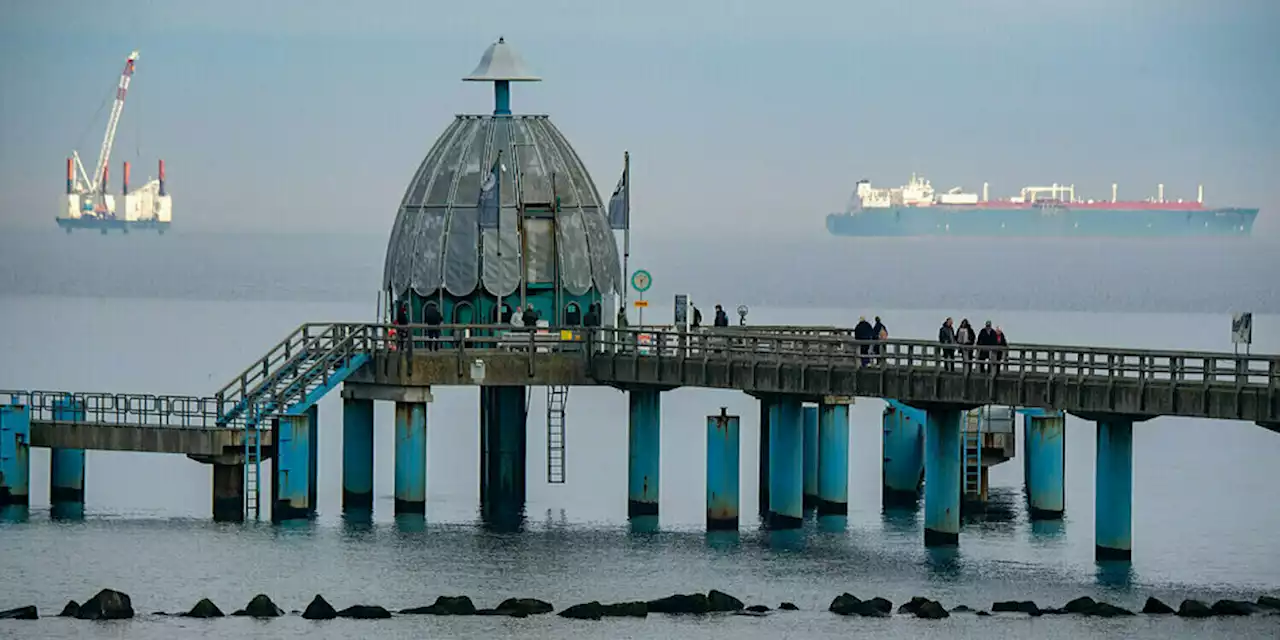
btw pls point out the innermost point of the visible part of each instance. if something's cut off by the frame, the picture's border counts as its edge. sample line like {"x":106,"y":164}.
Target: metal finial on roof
{"x":501,"y":62}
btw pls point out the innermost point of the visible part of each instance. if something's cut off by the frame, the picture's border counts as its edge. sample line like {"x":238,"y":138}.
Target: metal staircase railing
{"x":557,"y":400}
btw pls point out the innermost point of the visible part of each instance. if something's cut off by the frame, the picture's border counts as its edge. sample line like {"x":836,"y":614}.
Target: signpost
{"x":641,"y":281}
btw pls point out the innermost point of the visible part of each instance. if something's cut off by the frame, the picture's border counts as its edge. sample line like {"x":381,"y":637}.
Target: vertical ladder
{"x":972,"y":443}
{"x":557,"y":398}
{"x":252,"y":467}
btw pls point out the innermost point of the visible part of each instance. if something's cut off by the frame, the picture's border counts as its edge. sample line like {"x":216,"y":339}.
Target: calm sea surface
{"x":185,"y":313}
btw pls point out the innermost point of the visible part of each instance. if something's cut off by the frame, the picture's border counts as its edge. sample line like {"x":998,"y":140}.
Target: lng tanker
{"x":914,"y":209}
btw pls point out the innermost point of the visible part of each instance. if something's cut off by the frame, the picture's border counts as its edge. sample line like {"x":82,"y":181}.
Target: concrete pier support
{"x":503,"y":448}
{"x":809,"y":418}
{"x":1113,"y":502}
{"x":313,"y":455}
{"x":15,"y":459}
{"x":291,"y":493}
{"x":833,"y":457}
{"x":762,"y":472}
{"x":902,"y":472}
{"x":722,"y":472}
{"x":228,"y":492}
{"x":786,"y":463}
{"x":66,"y":466}
{"x":357,"y":453}
{"x":942,"y":463}
{"x":411,"y":458}
{"x":1045,"y":462}
{"x":642,"y":458}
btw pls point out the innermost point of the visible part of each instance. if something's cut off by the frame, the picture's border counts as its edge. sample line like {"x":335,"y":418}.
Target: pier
{"x":800,"y":375}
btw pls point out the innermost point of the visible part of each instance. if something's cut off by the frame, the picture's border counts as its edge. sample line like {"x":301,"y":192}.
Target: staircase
{"x":289,"y":379}
{"x":972,"y":443}
{"x":557,"y":399}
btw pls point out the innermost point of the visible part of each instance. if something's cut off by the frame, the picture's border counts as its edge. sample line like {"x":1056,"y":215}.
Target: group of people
{"x":721,"y":319}
{"x":972,"y":344}
{"x":866,"y":331}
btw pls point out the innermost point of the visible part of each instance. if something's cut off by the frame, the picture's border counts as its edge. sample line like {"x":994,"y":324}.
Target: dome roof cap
{"x":500,"y":62}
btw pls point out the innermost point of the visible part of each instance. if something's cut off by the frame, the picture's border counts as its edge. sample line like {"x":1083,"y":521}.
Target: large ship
{"x":915,"y":209}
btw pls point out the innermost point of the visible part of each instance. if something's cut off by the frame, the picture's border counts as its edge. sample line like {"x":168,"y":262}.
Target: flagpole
{"x":497,"y":295}
{"x":626,"y":228}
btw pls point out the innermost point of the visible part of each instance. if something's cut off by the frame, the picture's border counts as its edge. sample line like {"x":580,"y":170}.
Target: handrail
{"x":117,"y":409}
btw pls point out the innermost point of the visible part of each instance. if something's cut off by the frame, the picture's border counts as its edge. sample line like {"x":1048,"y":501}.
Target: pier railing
{"x":117,"y":409}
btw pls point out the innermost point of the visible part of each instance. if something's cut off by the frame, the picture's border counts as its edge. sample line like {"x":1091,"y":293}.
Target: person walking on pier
{"x":947,"y":336}
{"x":432,"y":317}
{"x":986,"y":340}
{"x":1001,"y":354}
{"x":863,"y":332}
{"x":529,"y":317}
{"x":402,"y":327}
{"x":722,"y":318}
{"x":880,"y":332}
{"x":697,"y":318}
{"x":965,"y":338}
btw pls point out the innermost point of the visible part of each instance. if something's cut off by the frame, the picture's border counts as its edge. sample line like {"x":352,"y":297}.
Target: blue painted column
{"x":762,"y":473}
{"x":15,"y":459}
{"x":643,"y":446}
{"x":291,"y":496}
{"x":357,"y":453}
{"x":722,"y":472}
{"x":411,"y":457}
{"x":942,"y":477}
{"x":1045,"y":451}
{"x":66,"y":466}
{"x":501,"y":98}
{"x":786,"y":463}
{"x":1113,"y":503}
{"x":313,"y":454}
{"x":902,"y":471}
{"x":809,"y":417}
{"x":833,"y":458}
{"x":503,"y":449}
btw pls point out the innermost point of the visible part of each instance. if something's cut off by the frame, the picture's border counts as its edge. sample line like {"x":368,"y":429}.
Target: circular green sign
{"x":641,"y":280}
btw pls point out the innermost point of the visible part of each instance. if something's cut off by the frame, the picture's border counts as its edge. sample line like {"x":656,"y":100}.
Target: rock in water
{"x":721,"y":601}
{"x":446,"y":606}
{"x":1083,"y":604}
{"x":260,"y":607}
{"x":28,"y":612}
{"x":879,"y":604}
{"x":1155,"y":606}
{"x":788,"y":606}
{"x":1233,"y":608}
{"x":681,"y":603}
{"x":319,"y":609}
{"x":364,"y":612}
{"x":107,"y":605}
{"x":961,"y":609}
{"x":204,"y":609}
{"x":1194,"y":609}
{"x":1269,"y":602}
{"x":912,"y":605}
{"x":589,"y":611}
{"x":932,"y":610}
{"x":521,"y":607}
{"x":626,"y":610}
{"x":1023,"y":606}
{"x":757,"y":608}
{"x":71,"y":610}
{"x":1107,"y":610}
{"x":845,"y":604}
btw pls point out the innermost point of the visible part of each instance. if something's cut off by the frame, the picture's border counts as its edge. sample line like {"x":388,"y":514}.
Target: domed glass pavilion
{"x":552,"y":246}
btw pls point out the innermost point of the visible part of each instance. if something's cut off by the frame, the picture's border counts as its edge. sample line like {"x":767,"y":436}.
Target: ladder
{"x":252,"y":468}
{"x":557,"y":398}
{"x":972,"y":443}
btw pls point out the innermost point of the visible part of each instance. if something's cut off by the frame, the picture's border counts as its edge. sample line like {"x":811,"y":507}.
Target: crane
{"x":98,"y":181}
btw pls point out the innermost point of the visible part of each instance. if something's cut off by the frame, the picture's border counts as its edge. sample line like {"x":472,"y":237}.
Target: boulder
{"x":845,"y":604}
{"x":204,"y":609}
{"x":260,"y":607}
{"x":1233,"y":608}
{"x":983,"y":614}
{"x":681,"y":603}
{"x":791,"y":606}
{"x":28,"y":612}
{"x":1083,"y":604}
{"x":71,"y":610}
{"x":1107,"y":610}
{"x":521,"y":607}
{"x":319,"y":609}
{"x":446,"y":606}
{"x":1269,"y":602}
{"x":879,"y":604}
{"x":757,"y":608}
{"x":1194,"y":609}
{"x":720,"y":601}
{"x":638,"y":609}
{"x":911,"y":606}
{"x":589,"y":611}
{"x":1154,"y":605}
{"x":107,"y":605}
{"x":932,"y":610}
{"x":1016,"y":606}
{"x":961,"y":609}
{"x":364,"y":612}
{"x":752,"y":614}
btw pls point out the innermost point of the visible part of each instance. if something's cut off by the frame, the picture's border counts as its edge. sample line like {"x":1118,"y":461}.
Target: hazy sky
{"x":742,"y":115}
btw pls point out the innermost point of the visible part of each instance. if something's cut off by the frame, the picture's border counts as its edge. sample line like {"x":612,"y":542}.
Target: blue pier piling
{"x":762,"y":473}
{"x":357,"y":453}
{"x":942,"y":477}
{"x":833,"y":458}
{"x":1045,"y":461}
{"x":503,"y":448}
{"x":411,"y":458}
{"x":313,"y":455}
{"x":66,"y":466}
{"x":291,"y":497}
{"x":1113,"y":502}
{"x":15,"y":457}
{"x":902,"y":472}
{"x":722,"y":472}
{"x":809,"y":417}
{"x":643,"y":462}
{"x":786,"y":464}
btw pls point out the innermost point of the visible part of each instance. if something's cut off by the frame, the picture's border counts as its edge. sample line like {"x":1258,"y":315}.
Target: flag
{"x":491,"y":195}
{"x":619,"y":207}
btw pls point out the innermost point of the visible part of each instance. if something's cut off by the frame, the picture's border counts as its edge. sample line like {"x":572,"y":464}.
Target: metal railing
{"x":117,"y":409}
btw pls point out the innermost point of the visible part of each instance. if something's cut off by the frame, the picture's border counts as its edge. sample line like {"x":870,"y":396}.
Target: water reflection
{"x":1048,"y":529}
{"x":944,"y":562}
{"x":899,"y":520}
{"x":15,"y":513}
{"x":786,"y":539}
{"x":499,"y":518}
{"x":723,"y":540}
{"x":644,"y":524}
{"x":67,"y":511}
{"x":410,"y":523}
{"x":357,"y":521}
{"x":1115,"y":573}
{"x":833,"y":523}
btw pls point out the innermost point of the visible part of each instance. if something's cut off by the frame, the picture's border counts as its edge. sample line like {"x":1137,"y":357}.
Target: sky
{"x":742,"y":117}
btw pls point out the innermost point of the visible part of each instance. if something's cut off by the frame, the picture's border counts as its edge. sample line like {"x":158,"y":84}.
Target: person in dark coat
{"x":986,"y":339}
{"x":402,"y":322}
{"x":947,"y":337}
{"x":529,"y":317}
{"x":697,"y":318}
{"x":592,"y":319}
{"x":722,"y":318}
{"x":432,"y":317}
{"x":864,"y":332}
